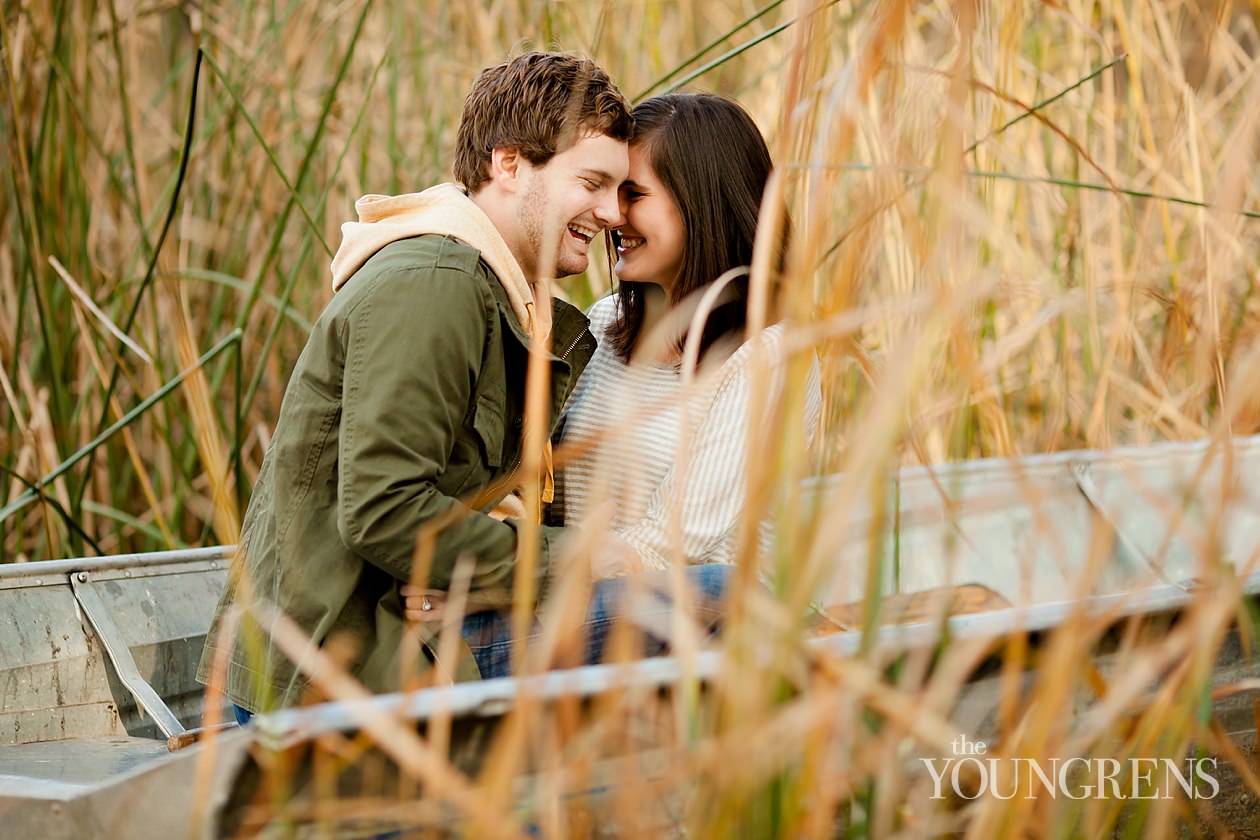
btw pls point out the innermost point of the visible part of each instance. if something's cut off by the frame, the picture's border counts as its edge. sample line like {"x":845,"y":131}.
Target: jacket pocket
{"x":488,"y":424}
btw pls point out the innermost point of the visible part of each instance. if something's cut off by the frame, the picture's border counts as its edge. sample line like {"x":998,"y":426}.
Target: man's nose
{"x":609,"y":212}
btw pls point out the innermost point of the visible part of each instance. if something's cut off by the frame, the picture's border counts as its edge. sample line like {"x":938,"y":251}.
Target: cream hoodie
{"x":447,"y":210}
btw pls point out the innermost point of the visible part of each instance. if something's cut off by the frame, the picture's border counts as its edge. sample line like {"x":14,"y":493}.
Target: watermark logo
{"x":971,"y":773}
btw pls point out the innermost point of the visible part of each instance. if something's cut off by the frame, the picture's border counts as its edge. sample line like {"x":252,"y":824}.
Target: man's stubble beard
{"x":533,"y":216}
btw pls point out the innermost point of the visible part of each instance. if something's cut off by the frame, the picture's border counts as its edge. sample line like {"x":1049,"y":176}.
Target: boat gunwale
{"x":114,"y":562}
{"x":493,"y":697}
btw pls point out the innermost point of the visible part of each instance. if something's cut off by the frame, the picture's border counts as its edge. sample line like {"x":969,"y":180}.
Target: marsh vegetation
{"x":1018,"y":228}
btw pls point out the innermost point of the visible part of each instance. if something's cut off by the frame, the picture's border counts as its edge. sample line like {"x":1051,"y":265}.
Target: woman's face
{"x":650,"y":243}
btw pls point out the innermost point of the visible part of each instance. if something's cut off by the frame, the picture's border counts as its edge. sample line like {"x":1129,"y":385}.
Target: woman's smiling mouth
{"x":626,"y":242}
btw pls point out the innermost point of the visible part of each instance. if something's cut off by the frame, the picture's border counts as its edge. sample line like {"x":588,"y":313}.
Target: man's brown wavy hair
{"x":540,"y":103}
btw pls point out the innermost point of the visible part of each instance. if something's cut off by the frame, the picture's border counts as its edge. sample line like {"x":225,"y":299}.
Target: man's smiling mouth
{"x":582,"y":233}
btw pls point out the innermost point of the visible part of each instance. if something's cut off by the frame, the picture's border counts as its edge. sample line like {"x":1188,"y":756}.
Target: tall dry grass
{"x":1018,"y":228}
{"x":1102,"y":241}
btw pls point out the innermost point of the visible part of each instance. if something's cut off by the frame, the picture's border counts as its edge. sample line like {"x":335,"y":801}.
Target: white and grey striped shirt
{"x":653,"y":462}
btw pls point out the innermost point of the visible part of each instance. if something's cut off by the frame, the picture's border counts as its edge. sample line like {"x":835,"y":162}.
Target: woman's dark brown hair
{"x":710,"y":156}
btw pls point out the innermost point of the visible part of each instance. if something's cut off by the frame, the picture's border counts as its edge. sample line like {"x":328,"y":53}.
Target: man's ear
{"x":507,"y":167}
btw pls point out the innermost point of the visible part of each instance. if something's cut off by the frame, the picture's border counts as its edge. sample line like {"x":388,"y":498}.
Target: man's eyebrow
{"x":597,"y":174}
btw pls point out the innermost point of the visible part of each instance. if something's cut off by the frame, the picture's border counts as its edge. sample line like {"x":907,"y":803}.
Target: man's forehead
{"x":598,"y":155}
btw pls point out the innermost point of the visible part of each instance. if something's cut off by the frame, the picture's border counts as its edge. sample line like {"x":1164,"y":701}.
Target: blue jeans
{"x":489,"y":634}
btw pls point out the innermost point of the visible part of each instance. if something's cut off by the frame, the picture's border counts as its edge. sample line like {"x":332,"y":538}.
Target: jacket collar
{"x":567,"y":327}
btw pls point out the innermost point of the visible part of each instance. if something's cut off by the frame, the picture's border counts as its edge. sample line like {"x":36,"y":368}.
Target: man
{"x":406,"y":401}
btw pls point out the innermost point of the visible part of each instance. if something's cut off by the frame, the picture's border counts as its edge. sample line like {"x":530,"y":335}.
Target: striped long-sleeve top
{"x":658,"y":456}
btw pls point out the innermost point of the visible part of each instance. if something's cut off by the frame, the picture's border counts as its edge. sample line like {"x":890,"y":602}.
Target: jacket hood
{"x":446,"y":210}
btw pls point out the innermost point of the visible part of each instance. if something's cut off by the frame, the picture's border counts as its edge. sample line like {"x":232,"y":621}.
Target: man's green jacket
{"x":404,"y":407}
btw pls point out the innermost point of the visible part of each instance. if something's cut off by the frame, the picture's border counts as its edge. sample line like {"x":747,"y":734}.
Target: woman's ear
{"x":507,"y":167}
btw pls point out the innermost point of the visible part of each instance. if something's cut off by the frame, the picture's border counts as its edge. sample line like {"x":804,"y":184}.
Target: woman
{"x":655,"y":444}
{"x":698,"y":168}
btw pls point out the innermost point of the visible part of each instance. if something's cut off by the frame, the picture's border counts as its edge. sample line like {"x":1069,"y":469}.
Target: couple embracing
{"x":405,"y":408}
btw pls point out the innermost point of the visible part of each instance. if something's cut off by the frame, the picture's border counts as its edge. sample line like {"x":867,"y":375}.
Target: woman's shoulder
{"x":769,"y":342}
{"x":602,"y":314}
{"x":772,"y":348}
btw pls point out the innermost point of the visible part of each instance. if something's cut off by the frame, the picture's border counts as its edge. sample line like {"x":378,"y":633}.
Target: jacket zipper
{"x":576,"y":339}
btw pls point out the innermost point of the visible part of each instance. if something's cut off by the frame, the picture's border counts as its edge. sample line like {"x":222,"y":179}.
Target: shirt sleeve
{"x":413,"y":351}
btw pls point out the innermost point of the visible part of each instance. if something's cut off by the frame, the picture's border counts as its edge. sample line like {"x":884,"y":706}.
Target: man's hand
{"x":430,"y":605}
{"x":610,"y":556}
{"x":511,"y":507}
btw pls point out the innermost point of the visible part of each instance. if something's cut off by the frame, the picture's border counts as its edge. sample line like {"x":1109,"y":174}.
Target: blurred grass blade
{"x":220,"y":278}
{"x":89,"y":304}
{"x":726,"y":56}
{"x":156,"y":534}
{"x":1071,"y":183}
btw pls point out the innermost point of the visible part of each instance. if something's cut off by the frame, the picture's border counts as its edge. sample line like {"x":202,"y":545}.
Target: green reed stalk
{"x":129,"y":142}
{"x":29,"y":271}
{"x":147,"y":279}
{"x":88,"y":449}
{"x":266,"y":147}
{"x":273,"y":247}
{"x":706,"y":49}
{"x":285,"y":296}
{"x":330,"y":97}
